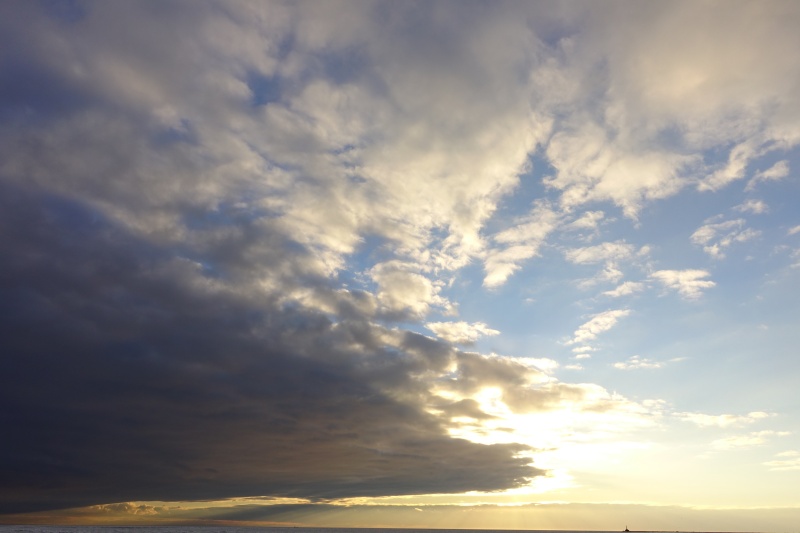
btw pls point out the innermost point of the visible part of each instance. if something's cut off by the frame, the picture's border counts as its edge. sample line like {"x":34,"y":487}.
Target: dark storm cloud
{"x":165,"y":333}
{"x":122,"y":381}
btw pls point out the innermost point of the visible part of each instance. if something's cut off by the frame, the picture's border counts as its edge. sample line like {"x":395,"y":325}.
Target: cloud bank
{"x":225,"y":224}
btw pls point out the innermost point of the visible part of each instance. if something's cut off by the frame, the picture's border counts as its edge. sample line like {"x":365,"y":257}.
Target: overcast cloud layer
{"x":238,"y":240}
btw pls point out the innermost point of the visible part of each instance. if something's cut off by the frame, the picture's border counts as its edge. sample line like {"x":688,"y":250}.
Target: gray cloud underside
{"x":123,"y":381}
{"x":173,"y":326}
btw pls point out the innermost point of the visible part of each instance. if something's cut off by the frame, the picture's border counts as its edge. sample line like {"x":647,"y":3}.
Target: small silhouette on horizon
{"x":626,"y":529}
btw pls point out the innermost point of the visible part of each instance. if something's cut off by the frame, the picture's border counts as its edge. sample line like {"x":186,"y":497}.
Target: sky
{"x":458,"y":264}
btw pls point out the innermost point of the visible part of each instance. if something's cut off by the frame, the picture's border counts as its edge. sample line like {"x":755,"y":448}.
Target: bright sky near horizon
{"x":401,"y":263}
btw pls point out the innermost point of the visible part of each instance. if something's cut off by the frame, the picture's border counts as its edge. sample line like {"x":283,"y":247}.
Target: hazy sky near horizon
{"x":400,"y":254}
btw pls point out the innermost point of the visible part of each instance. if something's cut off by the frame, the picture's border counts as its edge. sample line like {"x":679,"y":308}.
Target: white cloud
{"x":584,"y":349}
{"x":590,"y":167}
{"x":543,"y":364}
{"x":691,"y":92}
{"x":461,"y":332}
{"x":405,"y":292}
{"x":738,"y":159}
{"x":694,"y":86}
{"x":722,"y":421}
{"x":636,"y":362}
{"x":428,"y":175}
{"x":625,"y":289}
{"x":518,"y":243}
{"x":609,"y":274}
{"x":501,"y":264}
{"x":788,"y":460}
{"x":607,"y":251}
{"x":588,"y":220}
{"x":776,"y":172}
{"x":749,"y":440}
{"x":715,"y":238}
{"x":689,"y":283}
{"x":599,"y":323}
{"x":583,"y":352}
{"x":753,"y":206}
{"x":533,"y":228}
{"x":793,"y":230}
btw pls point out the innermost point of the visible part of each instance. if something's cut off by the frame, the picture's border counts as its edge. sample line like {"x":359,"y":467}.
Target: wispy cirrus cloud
{"x":519,"y":243}
{"x":717,"y":237}
{"x":599,"y":323}
{"x":788,"y":460}
{"x":607,"y":251}
{"x":723,"y":421}
{"x":625,"y":289}
{"x":748,"y":440}
{"x":776,"y":172}
{"x":756,"y":207}
{"x":637,"y":362}
{"x":612,"y":254}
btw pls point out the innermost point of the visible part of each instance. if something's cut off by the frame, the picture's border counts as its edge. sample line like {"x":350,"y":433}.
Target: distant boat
{"x":626,"y":529}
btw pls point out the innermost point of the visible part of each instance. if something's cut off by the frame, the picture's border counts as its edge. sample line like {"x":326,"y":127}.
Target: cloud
{"x":223,"y":217}
{"x":610,"y":253}
{"x":715,"y":238}
{"x":796,"y":255}
{"x":693,"y":99}
{"x":583,"y":349}
{"x":583,"y":352}
{"x":510,"y":389}
{"x":599,"y":323}
{"x":461,"y":332}
{"x":609,"y":274}
{"x":694,"y":88}
{"x":591,"y":169}
{"x":589,"y":220}
{"x":129,"y":508}
{"x":625,"y":289}
{"x":776,"y":172}
{"x":607,"y":251}
{"x":789,"y":460}
{"x":722,"y":421}
{"x":521,"y":241}
{"x":165,"y":372}
{"x":636,"y":362}
{"x":403,"y":292}
{"x":753,"y":206}
{"x":689,"y":283}
{"x":738,"y":160}
{"x":749,"y":440}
